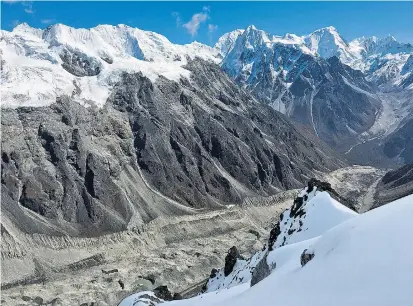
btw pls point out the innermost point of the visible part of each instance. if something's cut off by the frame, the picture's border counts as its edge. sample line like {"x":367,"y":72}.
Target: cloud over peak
{"x":193,"y":25}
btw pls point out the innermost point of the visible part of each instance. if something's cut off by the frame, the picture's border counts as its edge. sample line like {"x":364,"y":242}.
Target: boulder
{"x":261,"y":271}
{"x":306,"y":257}
{"x":163,"y":293}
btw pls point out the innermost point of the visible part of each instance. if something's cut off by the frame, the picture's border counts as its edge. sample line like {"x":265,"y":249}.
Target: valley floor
{"x":178,"y":252}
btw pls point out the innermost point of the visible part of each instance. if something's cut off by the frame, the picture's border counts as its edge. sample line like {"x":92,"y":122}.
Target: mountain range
{"x":353,"y":94}
{"x":116,"y":135}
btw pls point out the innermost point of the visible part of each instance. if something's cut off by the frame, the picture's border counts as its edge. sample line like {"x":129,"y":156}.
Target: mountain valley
{"x":130,"y":162}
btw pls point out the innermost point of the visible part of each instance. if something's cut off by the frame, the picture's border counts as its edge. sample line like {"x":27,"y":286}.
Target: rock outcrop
{"x":231,"y":259}
{"x":306,"y":257}
{"x":261,"y":271}
{"x":163,"y":293}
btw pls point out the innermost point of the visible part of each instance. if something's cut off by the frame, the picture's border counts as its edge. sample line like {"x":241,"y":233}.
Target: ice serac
{"x":337,"y":102}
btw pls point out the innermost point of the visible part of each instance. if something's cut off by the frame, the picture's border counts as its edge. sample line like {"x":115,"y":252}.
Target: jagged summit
{"x":327,"y":42}
{"x":251,"y":28}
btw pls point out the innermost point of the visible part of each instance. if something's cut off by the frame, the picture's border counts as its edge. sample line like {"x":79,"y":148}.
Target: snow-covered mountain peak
{"x":368,"y":46}
{"x":382,"y":60}
{"x":251,"y":28}
{"x":226,"y":42}
{"x":327,"y":42}
{"x":253,"y":37}
{"x":293,"y":37}
{"x":25,"y":29}
{"x":64,"y":60}
{"x":22,"y":27}
{"x":330,"y":30}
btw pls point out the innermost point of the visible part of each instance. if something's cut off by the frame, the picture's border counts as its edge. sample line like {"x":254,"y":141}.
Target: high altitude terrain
{"x":114,"y":138}
{"x":315,"y":248}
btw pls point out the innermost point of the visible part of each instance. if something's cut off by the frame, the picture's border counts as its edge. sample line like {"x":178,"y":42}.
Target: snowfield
{"x":30,"y":54}
{"x":363,"y":260}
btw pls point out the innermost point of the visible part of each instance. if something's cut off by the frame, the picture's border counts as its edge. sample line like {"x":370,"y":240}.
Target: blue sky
{"x":183,"y":22}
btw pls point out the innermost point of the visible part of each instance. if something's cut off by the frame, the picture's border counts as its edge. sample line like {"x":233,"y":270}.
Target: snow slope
{"x":318,"y":213}
{"x":363,"y":260}
{"x":30,"y":54}
{"x":359,"y":262}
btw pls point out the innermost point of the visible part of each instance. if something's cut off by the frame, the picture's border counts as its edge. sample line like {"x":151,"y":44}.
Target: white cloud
{"x":177,"y":19}
{"x":28,"y":7}
{"x":15,"y":23}
{"x":193,"y":25}
{"x":47,"y":21}
{"x":212,"y":28}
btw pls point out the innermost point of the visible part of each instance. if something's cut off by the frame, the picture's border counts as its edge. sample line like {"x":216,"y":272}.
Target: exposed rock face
{"x":79,"y":64}
{"x":155,"y":149}
{"x":231,"y":260}
{"x":394,"y":185}
{"x":177,"y":296}
{"x":163,"y":293}
{"x":275,"y":231}
{"x":261,"y":271}
{"x":399,"y":144}
{"x":306,"y":257}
